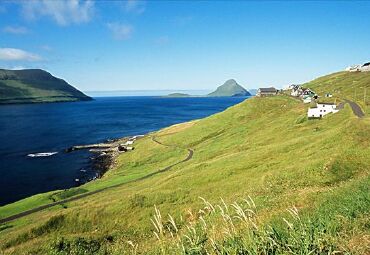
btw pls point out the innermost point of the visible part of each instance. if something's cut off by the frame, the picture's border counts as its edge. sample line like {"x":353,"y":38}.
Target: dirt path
{"x":356,"y":109}
{"x":78,"y":197}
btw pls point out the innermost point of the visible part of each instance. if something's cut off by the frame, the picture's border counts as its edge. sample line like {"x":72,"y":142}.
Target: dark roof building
{"x":267,"y":91}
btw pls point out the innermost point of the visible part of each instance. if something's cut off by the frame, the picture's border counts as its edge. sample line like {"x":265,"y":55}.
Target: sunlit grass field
{"x":344,"y":85}
{"x":263,"y":151}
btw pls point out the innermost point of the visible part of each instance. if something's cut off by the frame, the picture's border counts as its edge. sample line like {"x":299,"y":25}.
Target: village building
{"x":365,"y":67}
{"x":291,"y":86}
{"x":307,"y":99}
{"x":305,"y":93}
{"x":359,"y":68}
{"x":295,"y":93}
{"x":296,"y":90}
{"x":267,"y":92}
{"x":321,"y":110}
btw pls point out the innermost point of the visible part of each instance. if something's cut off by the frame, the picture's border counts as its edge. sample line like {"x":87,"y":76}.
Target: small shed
{"x":129,"y":142}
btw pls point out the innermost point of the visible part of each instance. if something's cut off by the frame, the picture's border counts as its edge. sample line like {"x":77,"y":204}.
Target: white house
{"x":291,"y":86}
{"x":365,"y":67}
{"x":353,"y":68}
{"x":295,"y":93}
{"x":359,"y":68}
{"x":321,"y":109}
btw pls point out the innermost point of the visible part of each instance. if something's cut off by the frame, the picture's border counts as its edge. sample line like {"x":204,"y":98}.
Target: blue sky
{"x":155,"y":45}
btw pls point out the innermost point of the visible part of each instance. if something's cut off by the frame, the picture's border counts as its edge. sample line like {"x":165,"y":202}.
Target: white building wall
{"x":294,"y":93}
{"x":365,"y":68}
{"x":321,"y":110}
{"x":358,"y":68}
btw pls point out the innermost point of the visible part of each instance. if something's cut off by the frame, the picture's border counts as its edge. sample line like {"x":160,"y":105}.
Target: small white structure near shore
{"x":321,"y":110}
{"x":129,"y":142}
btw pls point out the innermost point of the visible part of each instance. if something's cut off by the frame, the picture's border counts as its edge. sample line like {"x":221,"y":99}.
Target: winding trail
{"x":78,"y":197}
{"x":356,"y":109}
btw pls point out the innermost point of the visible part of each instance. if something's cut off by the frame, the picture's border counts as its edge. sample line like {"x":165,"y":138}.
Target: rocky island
{"x":178,"y":95}
{"x":229,"y":89}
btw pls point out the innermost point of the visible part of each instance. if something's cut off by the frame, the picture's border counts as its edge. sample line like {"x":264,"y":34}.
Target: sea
{"x":27,"y":129}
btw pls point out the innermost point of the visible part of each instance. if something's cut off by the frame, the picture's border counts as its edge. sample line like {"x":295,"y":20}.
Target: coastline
{"x":91,"y":162}
{"x":47,"y":101}
{"x":81,"y":193}
{"x":105,"y":154}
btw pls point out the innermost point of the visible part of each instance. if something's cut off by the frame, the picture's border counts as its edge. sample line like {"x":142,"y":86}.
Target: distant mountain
{"x":230,"y":89}
{"x":253,"y":92}
{"x":35,"y":86}
{"x":178,"y":95}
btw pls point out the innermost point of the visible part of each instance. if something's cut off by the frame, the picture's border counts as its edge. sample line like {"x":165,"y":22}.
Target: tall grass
{"x":235,"y":229}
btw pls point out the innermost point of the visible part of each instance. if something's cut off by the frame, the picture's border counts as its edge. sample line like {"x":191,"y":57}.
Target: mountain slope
{"x":264,"y":148}
{"x":34,"y":86}
{"x":229,"y":89}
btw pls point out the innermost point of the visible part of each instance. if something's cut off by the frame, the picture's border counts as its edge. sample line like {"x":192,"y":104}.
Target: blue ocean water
{"x":35,"y":128}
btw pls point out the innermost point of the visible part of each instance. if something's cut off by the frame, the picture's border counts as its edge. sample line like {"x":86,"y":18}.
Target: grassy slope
{"x":344,"y":85}
{"x":263,"y":147}
{"x":35,"y":86}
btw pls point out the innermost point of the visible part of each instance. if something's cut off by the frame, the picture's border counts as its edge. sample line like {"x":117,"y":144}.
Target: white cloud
{"x":18,"y":55}
{"x":120,"y":31}
{"x":62,"y":12}
{"x":17,"y":30}
{"x":134,"y":6}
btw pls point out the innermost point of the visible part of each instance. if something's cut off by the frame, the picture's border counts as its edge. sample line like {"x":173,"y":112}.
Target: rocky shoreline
{"x":105,"y":154}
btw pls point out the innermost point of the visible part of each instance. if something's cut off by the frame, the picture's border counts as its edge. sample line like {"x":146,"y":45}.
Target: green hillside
{"x":344,"y":85}
{"x":35,"y":86}
{"x":229,"y":89}
{"x":274,"y":183}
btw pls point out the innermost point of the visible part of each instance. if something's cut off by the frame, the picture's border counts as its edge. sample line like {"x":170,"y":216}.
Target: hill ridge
{"x":35,"y":86}
{"x":264,"y":148}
